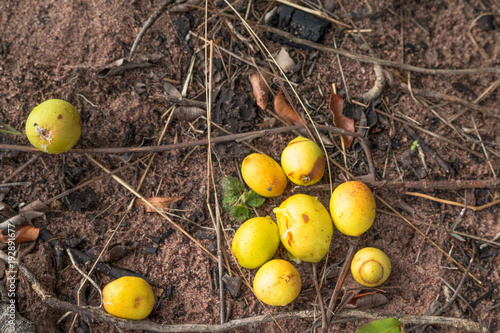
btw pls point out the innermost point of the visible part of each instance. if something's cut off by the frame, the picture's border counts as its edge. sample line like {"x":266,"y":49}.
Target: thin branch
{"x":86,"y":278}
{"x":381,"y":62}
{"x":203,"y":142}
{"x":453,"y":203}
{"x":101,"y":316}
{"x":320,"y":299}
{"x":152,"y":19}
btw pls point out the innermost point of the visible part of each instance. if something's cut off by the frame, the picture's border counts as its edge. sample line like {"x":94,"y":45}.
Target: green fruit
{"x":370,"y":267}
{"x":54,"y":126}
{"x":352,"y":207}
{"x":255,"y":242}
{"x":303,"y":161}
{"x":277,"y":283}
{"x":305,"y":227}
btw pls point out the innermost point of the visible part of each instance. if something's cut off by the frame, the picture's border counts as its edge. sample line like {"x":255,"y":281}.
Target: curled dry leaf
{"x":289,"y":115}
{"x":24,"y":233}
{"x":341,"y":121}
{"x":260,"y":90}
{"x":121,"y":65}
{"x":368,"y":300}
{"x":37,"y":206}
{"x":119,"y":251}
{"x":171,"y":91}
{"x":188,"y":113}
{"x":159,"y":202}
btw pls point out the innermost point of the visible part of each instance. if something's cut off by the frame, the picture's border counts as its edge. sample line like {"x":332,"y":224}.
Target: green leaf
{"x":240,"y":212}
{"x":387,"y":325}
{"x":253,"y":199}
{"x":9,"y":130}
{"x":460,"y":238}
{"x":414,"y":145}
{"x":231,"y":186}
{"x":228,"y":203}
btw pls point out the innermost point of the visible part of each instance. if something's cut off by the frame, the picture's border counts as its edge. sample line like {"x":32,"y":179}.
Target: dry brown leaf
{"x":260,"y":90}
{"x":341,"y":121}
{"x":158,"y":202}
{"x":289,"y":115}
{"x":23,"y":233}
{"x":188,"y":113}
{"x":368,"y":301}
{"x":37,"y":206}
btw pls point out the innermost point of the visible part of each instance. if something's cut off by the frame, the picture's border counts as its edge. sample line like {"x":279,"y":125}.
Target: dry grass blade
{"x":428,"y":239}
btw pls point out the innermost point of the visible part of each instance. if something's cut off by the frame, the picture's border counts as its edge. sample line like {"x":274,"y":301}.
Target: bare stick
{"x":428,"y":239}
{"x":434,"y":94}
{"x":453,"y":203}
{"x":146,"y":26}
{"x":182,"y":145}
{"x":15,"y":184}
{"x":101,"y":316}
{"x":429,"y":151}
{"x":340,"y":280}
{"x":382,"y":62}
{"x":320,"y":299}
{"x":86,"y":278}
{"x":21,"y":168}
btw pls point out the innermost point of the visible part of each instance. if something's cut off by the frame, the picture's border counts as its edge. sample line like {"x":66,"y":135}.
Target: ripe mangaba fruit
{"x":277,"y":282}
{"x":263,"y":175}
{"x":128,"y":297}
{"x":54,"y":126}
{"x":370,"y":267}
{"x":305,"y":227}
{"x":352,"y":207}
{"x":303,"y":161}
{"x":255,"y":242}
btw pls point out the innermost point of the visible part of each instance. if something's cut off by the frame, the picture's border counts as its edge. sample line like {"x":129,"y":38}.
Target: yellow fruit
{"x":303,"y":161}
{"x":263,"y":175}
{"x":352,"y":207}
{"x":255,"y":242}
{"x":305,"y":227}
{"x":277,"y":283}
{"x":54,"y":126}
{"x":129,"y":297}
{"x":370,"y":267}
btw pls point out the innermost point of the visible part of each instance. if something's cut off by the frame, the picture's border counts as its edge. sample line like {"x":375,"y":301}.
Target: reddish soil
{"x":56,"y":49}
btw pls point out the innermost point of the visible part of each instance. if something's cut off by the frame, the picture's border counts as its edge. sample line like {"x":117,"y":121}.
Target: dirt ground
{"x":60,"y":49}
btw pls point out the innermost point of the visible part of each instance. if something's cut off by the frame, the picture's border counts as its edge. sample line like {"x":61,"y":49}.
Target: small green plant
{"x":238,"y":201}
{"x":414,"y":145}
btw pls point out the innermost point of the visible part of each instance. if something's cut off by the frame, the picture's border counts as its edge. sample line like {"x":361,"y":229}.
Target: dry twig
{"x":101,"y":316}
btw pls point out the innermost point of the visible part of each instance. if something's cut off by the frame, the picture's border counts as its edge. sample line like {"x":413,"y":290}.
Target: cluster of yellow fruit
{"x":304,"y":226}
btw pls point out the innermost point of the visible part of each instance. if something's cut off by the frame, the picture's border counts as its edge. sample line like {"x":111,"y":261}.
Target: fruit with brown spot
{"x":54,"y":126}
{"x":305,"y":227}
{"x":128,"y":297}
{"x":303,"y":161}
{"x":277,"y":283}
